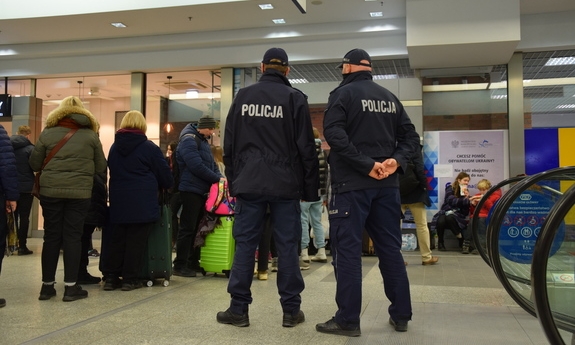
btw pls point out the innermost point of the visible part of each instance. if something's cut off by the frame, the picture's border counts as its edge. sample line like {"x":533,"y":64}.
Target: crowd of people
{"x":276,"y":168}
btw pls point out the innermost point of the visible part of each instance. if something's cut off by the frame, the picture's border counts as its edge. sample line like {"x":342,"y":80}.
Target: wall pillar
{"x":516,"y":115}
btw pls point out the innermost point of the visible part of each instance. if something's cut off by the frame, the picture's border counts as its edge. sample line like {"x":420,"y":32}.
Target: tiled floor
{"x":457,"y":301}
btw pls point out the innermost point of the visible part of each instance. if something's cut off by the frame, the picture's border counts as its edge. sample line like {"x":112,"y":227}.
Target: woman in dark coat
{"x":138,"y":170}
{"x":454,"y":211}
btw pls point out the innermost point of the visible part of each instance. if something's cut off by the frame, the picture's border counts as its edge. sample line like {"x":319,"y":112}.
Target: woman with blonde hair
{"x":66,"y":189}
{"x":138,"y":170}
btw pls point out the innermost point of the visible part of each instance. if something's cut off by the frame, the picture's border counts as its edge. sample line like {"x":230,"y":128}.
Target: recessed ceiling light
{"x":266,"y":6}
{"x":566,"y":106}
{"x":279,"y":21}
{"x":385,"y":76}
{"x":376,"y":14}
{"x":298,"y":81}
{"x":561,"y":61}
{"x":118,"y":25}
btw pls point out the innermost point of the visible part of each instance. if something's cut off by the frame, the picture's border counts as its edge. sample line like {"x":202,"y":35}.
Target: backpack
{"x":408,"y":181}
{"x":219,"y":201}
{"x":176,"y":167}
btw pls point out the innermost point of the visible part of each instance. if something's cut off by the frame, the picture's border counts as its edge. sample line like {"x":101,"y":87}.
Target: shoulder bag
{"x":36,"y":187}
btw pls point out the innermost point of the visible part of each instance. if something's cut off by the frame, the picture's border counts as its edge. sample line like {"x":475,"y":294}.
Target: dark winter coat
{"x":22,"y":150}
{"x":323,"y":169}
{"x":8,"y":172}
{"x":70,"y":173}
{"x":138,"y":170}
{"x":365,"y":123}
{"x":198,"y":170}
{"x":419,"y":193}
{"x":269,"y":147}
{"x":458,"y":204}
{"x":98,"y":211}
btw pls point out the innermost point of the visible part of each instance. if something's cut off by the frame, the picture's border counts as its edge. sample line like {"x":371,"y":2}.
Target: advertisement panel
{"x":481,"y":154}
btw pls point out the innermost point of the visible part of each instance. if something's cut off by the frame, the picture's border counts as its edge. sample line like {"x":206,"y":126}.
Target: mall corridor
{"x":457,"y":301}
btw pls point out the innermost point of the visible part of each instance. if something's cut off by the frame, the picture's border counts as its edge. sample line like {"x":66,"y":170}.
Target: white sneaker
{"x":304,"y":256}
{"x":274,"y":264}
{"x":303,"y":265}
{"x":320,"y":256}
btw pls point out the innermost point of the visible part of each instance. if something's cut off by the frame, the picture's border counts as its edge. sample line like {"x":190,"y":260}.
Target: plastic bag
{"x":408,"y":242}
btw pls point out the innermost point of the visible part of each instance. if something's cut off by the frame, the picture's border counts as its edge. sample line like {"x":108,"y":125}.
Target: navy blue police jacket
{"x":198,"y":170}
{"x":138,"y":171}
{"x":269,"y":147}
{"x":364,"y":123}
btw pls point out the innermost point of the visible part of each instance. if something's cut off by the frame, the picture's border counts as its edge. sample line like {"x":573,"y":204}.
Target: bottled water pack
{"x":408,"y":242}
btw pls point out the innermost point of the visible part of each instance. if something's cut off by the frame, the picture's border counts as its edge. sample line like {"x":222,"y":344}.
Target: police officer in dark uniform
{"x":370,"y":136}
{"x":270,"y":160}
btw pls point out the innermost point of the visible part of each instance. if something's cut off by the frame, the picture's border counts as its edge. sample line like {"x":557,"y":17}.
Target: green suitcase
{"x":217,"y":254}
{"x":157,"y":263}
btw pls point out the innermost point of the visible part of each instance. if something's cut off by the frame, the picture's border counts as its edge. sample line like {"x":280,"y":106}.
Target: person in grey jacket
{"x":65,"y":191}
{"x":8,"y":190}
{"x":22,"y":150}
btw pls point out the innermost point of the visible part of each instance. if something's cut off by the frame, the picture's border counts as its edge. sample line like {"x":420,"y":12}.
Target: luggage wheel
{"x":227,"y":273}
{"x":166,"y":282}
{"x":150,"y":283}
{"x":203,"y":272}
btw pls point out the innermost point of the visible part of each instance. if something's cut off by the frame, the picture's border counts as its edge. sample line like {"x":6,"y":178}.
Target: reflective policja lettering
{"x":378,"y":106}
{"x":263,"y":110}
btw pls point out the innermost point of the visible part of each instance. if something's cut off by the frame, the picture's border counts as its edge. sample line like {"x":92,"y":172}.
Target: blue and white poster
{"x":481,"y":154}
{"x":521,"y":226}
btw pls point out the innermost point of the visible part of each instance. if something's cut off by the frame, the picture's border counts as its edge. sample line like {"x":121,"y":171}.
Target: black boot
{"x":465,"y":248}
{"x":441,"y":247}
{"x":460,"y":240}
{"x":86,"y":278}
{"x":46,"y":292}
{"x":73,"y":293}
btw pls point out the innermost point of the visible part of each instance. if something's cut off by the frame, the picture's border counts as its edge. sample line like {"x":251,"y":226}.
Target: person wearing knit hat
{"x":198,"y":171}
{"x":207,"y":122}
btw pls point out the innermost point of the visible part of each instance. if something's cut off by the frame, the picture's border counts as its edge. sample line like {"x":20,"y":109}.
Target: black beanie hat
{"x":206,"y":122}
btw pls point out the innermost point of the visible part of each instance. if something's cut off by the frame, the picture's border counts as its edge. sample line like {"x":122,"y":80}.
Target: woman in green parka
{"x":65,"y":190}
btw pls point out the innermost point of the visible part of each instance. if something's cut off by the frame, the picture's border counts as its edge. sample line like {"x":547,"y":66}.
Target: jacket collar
{"x":274,"y":75}
{"x":357,"y":76}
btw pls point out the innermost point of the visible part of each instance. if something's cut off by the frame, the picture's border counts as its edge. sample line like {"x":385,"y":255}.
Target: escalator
{"x":537,"y":274}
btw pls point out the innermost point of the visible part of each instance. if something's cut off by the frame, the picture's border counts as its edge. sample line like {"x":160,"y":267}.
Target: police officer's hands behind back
{"x":378,"y":171}
{"x":384,"y":169}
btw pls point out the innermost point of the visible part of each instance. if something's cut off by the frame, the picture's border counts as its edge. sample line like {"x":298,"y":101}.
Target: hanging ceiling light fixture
{"x":168,"y":127}
{"x":79,"y":89}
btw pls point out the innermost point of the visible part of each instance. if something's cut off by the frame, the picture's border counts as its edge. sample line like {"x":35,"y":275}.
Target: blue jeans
{"x":311,"y":212}
{"x":249,"y":216}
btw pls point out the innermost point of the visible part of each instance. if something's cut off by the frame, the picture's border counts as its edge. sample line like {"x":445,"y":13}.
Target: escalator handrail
{"x":495,"y":225}
{"x":539,"y":270}
{"x":483,"y":251}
